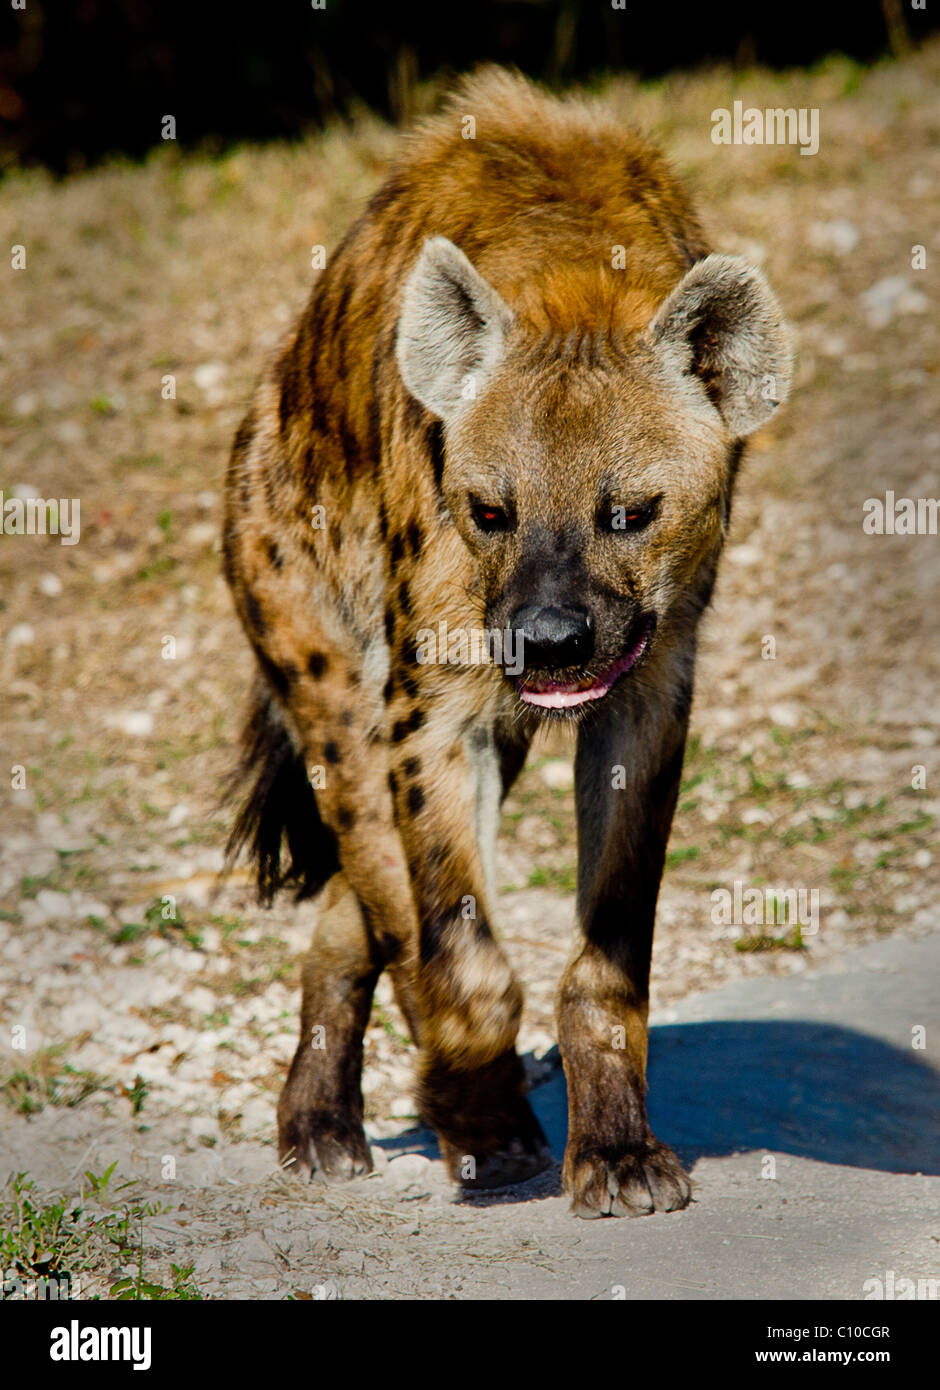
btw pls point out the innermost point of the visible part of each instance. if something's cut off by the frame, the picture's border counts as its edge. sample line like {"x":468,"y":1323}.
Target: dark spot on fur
{"x":290,"y":382}
{"x":404,"y":598}
{"x":411,"y":767}
{"x":415,"y":538}
{"x":347,"y":718}
{"x":393,"y":784}
{"x":244,"y":434}
{"x":280,"y":678}
{"x":416,"y":417}
{"x":408,"y":684}
{"x":275,"y":556}
{"x":403,"y":727}
{"x":396,"y":549}
{"x":389,"y":624}
{"x":436,"y":450}
{"x":375,"y":438}
{"x":386,"y":196}
{"x":317,"y":664}
{"x":345,"y":818}
{"x":253,"y":614}
{"x":331,"y":752}
{"x":415,"y":800}
{"x":271,"y":490}
{"x":389,"y":689}
{"x":480,"y":738}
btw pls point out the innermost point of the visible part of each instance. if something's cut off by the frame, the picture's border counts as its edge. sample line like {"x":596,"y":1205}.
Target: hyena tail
{"x":280,"y":803}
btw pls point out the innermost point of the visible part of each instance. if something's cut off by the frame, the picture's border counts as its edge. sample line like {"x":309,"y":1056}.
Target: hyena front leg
{"x":627,"y":772}
{"x":447,"y":783}
{"x":367,"y":924}
{"x":320,"y":1107}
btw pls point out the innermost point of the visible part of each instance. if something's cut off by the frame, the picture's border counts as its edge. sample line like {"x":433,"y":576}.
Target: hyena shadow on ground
{"x":799,"y":1087}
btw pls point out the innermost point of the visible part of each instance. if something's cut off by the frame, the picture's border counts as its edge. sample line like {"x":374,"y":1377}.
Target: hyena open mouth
{"x":550,"y":693}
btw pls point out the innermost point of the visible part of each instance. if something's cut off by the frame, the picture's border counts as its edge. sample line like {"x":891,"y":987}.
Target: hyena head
{"x":590,"y":473}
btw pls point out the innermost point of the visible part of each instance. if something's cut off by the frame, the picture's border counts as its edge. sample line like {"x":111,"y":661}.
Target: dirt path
{"x":129,"y":1037}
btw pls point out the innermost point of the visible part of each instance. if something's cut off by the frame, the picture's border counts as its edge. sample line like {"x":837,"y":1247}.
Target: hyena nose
{"x":553,"y":637}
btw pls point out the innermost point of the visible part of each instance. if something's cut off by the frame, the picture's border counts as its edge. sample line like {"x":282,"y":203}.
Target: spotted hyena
{"x":508,"y":422}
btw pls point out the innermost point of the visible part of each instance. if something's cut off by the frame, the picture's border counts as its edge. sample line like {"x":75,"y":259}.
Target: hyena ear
{"x":452,"y":328}
{"x":723,"y":324}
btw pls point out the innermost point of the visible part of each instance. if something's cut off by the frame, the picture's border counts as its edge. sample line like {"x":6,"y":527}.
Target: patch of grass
{"x":182,"y":1286}
{"x":40,"y":1238}
{"x":380,"y":1017}
{"x":136,"y":1093}
{"x":163,"y":564}
{"x":561,"y":879}
{"x":157,"y":923}
{"x":153,"y":460}
{"x":793,"y":941}
{"x":48,"y":1080}
{"x":682,"y":856}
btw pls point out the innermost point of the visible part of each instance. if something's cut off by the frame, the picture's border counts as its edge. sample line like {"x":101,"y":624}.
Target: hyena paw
{"x":646,"y":1179}
{"x":514,"y":1161}
{"x":311,"y":1141}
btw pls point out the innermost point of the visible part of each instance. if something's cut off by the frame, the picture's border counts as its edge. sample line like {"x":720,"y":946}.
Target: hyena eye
{"x":627,"y":518}
{"x":487,"y":517}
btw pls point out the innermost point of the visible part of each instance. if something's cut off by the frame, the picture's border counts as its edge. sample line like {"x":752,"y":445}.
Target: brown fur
{"x":594,"y":387}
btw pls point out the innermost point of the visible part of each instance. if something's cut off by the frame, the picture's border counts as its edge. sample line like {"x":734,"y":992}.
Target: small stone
{"x":888,"y":298}
{"x":200,"y":1000}
{"x":408,"y":1170}
{"x":55,"y":905}
{"x":201,"y":533}
{"x":21,"y":635}
{"x":558,"y":774}
{"x":69,"y":432}
{"x":257,"y":1114}
{"x":745,"y":555}
{"x":205,"y":1127}
{"x":137,"y":723}
{"x":840,"y":236}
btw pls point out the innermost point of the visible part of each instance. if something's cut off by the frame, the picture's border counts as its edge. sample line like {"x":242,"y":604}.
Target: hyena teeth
{"x":461,"y":411}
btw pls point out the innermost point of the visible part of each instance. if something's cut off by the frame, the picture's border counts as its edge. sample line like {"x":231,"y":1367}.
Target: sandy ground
{"x":129,"y":1038}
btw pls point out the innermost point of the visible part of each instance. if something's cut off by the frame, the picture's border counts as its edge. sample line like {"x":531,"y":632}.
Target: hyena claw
{"x":635,"y":1184}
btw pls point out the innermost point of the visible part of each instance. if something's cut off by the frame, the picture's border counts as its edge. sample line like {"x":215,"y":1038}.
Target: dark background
{"x":83,"y":80}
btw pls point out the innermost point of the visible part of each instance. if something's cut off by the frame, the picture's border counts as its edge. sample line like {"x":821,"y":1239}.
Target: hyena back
{"x":516,"y":402}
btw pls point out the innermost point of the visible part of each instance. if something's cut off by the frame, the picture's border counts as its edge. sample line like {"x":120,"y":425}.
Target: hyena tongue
{"x":556,"y":695}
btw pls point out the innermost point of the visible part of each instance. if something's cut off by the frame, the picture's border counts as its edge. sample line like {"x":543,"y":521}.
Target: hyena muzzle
{"x":514,"y":406}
